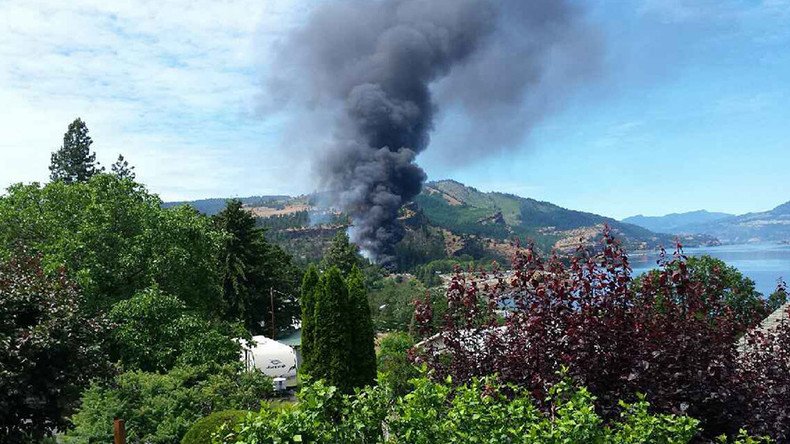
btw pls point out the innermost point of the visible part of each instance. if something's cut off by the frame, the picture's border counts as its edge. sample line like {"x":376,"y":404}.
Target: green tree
{"x":256,"y":275}
{"x":307,"y":302}
{"x":362,"y":359}
{"x":342,"y":254}
{"x":115,"y":239}
{"x":330,"y":360}
{"x":51,"y":350}
{"x":122,"y":169}
{"x":154,"y":332}
{"x":737,"y":290}
{"x":720,"y":281}
{"x":74,"y":161}
{"x":241,"y":255}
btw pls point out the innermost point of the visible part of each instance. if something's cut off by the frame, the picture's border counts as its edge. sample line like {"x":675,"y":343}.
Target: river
{"x":763,"y":263}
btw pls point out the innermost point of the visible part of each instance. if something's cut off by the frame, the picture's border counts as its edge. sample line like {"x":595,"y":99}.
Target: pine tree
{"x":307,"y":302}
{"x":240,"y":256}
{"x":74,"y":161}
{"x":253,"y":271}
{"x":362,"y":360}
{"x":330,"y":357}
{"x":122,"y":169}
{"x":342,"y":254}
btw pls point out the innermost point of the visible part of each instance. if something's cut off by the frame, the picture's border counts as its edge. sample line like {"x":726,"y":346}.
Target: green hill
{"x":452,"y":220}
{"x":499,"y":216}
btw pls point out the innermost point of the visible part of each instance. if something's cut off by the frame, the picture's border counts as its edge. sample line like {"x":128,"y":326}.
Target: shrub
{"x":765,"y":374}
{"x":202,"y":431}
{"x":480,"y":411}
{"x":154,"y":332}
{"x":395,"y":367}
{"x":667,"y":337}
{"x":50,"y":349}
{"x":160,"y":408}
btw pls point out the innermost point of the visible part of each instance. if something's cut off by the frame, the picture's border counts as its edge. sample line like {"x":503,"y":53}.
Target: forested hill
{"x":451,"y":220}
{"x":464,"y":209}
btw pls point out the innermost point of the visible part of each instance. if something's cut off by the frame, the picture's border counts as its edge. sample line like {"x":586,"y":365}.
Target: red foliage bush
{"x":765,"y":379}
{"x":663,"y":335}
{"x":51,"y":349}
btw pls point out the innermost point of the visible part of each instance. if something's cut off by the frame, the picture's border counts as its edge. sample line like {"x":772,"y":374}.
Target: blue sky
{"x":690,"y":109}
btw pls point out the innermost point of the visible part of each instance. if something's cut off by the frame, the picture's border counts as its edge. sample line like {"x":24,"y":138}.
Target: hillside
{"x":675,"y":222}
{"x":450,"y":219}
{"x":499,"y":216}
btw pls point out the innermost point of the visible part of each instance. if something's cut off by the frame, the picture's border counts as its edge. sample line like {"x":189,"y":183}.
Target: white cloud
{"x":169,"y":83}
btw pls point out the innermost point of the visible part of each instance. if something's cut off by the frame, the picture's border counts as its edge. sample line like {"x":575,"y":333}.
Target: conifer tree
{"x":342,"y":254}
{"x":330,"y":356}
{"x":74,"y":161}
{"x":362,"y":360}
{"x":122,"y":169}
{"x":307,"y":302}
{"x":256,"y":275}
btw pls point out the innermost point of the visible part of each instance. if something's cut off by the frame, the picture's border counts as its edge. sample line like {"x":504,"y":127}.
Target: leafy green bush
{"x":202,"y":431}
{"x":395,"y":368}
{"x":154,"y":332}
{"x":160,"y":408}
{"x":482,"y":411}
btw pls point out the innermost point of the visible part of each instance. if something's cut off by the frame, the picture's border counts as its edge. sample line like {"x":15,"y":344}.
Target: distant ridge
{"x":213,"y":206}
{"x":675,"y":222}
{"x":765,"y":226}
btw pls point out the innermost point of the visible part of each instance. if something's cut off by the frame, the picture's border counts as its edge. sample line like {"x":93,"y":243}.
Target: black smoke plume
{"x":373,"y":65}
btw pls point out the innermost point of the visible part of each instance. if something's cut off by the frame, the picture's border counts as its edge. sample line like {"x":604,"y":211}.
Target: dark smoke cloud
{"x":374,"y":65}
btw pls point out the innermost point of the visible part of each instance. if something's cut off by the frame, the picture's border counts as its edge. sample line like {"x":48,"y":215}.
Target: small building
{"x":294,"y":340}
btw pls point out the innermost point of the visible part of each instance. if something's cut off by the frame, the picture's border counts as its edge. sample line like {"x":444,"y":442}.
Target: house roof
{"x":782,"y":314}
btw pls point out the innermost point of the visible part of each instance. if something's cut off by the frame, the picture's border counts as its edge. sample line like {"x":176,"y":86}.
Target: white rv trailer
{"x":272,"y":358}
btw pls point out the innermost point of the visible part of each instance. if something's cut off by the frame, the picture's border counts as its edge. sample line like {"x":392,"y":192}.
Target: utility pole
{"x":271,"y":299}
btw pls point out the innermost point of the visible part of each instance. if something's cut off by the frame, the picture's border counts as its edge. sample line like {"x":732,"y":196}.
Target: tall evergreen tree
{"x":254,"y":273}
{"x":330,"y":360}
{"x":74,"y":161}
{"x":122,"y":169}
{"x":342,"y":254}
{"x":362,"y":359}
{"x":307,"y":303}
